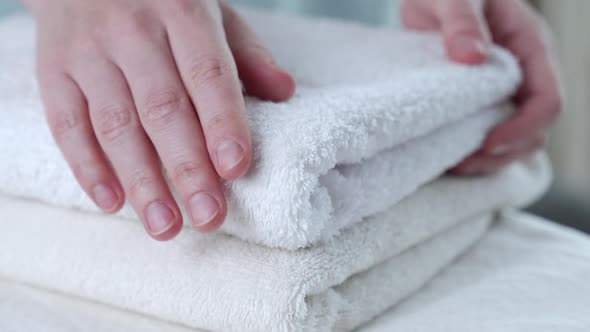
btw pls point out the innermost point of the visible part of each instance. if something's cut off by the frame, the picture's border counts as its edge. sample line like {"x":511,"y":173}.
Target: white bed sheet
{"x":527,"y":274}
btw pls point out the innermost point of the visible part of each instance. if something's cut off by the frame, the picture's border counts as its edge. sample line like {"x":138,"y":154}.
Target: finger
{"x":464,"y":29}
{"x":122,"y":138}
{"x":533,"y":117}
{"x":209,"y":73}
{"x":256,"y":68}
{"x":485,"y":163}
{"x":539,"y":98}
{"x":68,"y":119}
{"x":169,"y":119}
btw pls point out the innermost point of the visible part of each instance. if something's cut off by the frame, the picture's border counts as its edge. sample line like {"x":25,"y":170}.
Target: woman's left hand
{"x":469,"y":27}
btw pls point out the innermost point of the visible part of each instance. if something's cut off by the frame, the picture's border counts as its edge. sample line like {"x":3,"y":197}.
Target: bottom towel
{"x":221,"y":283}
{"x":522,"y":267}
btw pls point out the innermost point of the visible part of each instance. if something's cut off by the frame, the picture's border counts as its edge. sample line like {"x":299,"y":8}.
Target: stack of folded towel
{"x":343,"y":214}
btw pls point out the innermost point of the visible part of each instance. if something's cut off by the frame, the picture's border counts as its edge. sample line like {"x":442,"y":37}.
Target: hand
{"x":469,"y":27}
{"x":130,"y":84}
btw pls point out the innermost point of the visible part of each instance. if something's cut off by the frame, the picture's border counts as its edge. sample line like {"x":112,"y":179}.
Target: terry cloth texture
{"x":377,"y":114}
{"x":342,"y":216}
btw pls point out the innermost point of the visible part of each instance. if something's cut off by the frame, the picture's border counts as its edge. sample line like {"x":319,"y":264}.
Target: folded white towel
{"x":377,"y":114}
{"x":366,"y":130}
{"x":218,"y":282}
{"x":522,"y":267}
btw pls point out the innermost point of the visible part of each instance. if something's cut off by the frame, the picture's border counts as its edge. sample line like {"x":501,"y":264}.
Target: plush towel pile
{"x":341,"y":217}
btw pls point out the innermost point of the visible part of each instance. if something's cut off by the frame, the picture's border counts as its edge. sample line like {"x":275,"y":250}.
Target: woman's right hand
{"x":129,"y":85}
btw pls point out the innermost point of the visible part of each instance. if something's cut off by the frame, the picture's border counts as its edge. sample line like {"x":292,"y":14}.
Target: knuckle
{"x":207,"y":70}
{"x":62,"y":123}
{"x":182,"y":6}
{"x":96,"y":34}
{"x":136,"y":22}
{"x":139,"y":184}
{"x":113,"y":122}
{"x":188,"y":172}
{"x":83,"y":47}
{"x":220,"y":122}
{"x":86,"y":170}
{"x":255,"y":48}
{"x":161,"y":107}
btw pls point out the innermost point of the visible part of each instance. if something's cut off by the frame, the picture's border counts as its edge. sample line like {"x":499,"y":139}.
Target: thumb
{"x":465,"y":31}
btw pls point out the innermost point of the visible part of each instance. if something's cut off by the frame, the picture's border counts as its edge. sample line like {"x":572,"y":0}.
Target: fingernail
{"x":105,"y":197}
{"x":467,"y":45}
{"x":501,"y":150}
{"x":229,"y":155}
{"x":203,"y":209}
{"x":160,"y":218}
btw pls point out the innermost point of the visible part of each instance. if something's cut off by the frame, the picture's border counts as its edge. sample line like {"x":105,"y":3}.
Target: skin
{"x":136,"y":88}
{"x":469,"y":27}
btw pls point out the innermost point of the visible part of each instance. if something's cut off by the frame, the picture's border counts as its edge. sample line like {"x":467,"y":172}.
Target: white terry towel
{"x":218,"y":282}
{"x":523,"y":266}
{"x":355,"y":143}
{"x":377,"y":114}
{"x":527,"y":274}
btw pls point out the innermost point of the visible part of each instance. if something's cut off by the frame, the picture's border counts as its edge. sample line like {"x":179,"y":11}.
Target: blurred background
{"x":569,"y":144}
{"x":568,"y":201}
